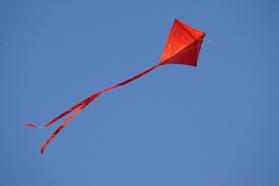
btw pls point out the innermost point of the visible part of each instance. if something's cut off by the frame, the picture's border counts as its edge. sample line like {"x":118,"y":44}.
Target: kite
{"x":182,"y":47}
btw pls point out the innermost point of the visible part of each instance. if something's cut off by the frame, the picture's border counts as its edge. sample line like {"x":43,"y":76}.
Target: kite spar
{"x":182,"y":47}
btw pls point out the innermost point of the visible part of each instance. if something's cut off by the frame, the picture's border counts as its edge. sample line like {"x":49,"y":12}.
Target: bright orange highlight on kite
{"x":182,"y":47}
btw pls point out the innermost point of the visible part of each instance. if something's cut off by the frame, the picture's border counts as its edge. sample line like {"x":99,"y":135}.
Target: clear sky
{"x":214,"y":125}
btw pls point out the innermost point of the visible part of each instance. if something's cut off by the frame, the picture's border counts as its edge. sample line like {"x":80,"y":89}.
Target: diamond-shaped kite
{"x":182,"y":47}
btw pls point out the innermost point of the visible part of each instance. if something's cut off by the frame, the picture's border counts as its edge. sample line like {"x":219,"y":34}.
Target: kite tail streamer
{"x":59,"y":129}
{"x":81,"y":105}
{"x":56,"y":118}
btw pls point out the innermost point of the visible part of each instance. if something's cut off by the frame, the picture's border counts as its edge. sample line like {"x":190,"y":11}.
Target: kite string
{"x":80,"y":106}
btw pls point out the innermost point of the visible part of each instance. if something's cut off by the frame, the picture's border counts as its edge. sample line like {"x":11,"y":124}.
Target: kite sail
{"x":182,"y":47}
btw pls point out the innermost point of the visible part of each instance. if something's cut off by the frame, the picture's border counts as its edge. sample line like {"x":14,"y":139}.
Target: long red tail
{"x":80,"y":106}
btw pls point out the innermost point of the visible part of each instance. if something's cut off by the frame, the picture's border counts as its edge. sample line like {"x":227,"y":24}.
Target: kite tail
{"x":81,"y":105}
{"x":59,"y":129}
{"x":54,"y":119}
{"x":61,"y":115}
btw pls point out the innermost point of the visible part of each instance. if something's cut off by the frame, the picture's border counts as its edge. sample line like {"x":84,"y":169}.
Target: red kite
{"x":182,"y":47}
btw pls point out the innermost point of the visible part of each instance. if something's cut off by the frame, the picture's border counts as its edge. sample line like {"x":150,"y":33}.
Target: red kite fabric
{"x":182,"y":47}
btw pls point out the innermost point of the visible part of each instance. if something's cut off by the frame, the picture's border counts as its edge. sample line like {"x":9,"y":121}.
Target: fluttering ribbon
{"x":182,"y":47}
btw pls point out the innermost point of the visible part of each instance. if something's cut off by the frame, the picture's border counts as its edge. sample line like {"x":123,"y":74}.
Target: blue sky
{"x":214,"y":125}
